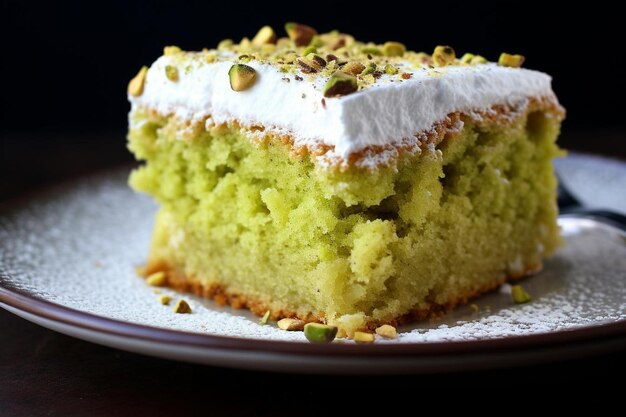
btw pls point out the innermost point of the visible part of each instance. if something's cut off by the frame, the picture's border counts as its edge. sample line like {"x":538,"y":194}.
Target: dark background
{"x":65,"y":67}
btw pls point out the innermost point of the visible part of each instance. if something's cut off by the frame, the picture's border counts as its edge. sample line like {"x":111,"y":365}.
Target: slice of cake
{"x":319,"y":177}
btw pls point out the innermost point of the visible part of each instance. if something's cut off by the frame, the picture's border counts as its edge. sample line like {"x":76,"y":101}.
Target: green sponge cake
{"x":349,"y":183}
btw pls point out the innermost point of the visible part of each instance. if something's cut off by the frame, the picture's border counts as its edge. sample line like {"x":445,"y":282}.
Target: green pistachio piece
{"x":225,"y":44}
{"x":340,"y":84}
{"x":390,"y":69}
{"x":353,"y":68}
{"x":371,"y":50}
{"x":467,"y":58}
{"x":265,"y":318}
{"x":171,"y":50}
{"x":316,"y":41}
{"x":241,"y":77}
{"x":311,"y":63}
{"x":443,"y":55}
{"x":309,"y":50}
{"x":394,"y":49}
{"x":508,"y":60}
{"x":264,"y":36}
{"x":320,"y":333}
{"x":479,"y":60}
{"x":299,"y":33}
{"x":519,"y":294}
{"x":171,"y":72}
{"x":135,"y":86}
{"x":369,"y":69}
{"x":363,"y":337}
{"x":245,"y":58}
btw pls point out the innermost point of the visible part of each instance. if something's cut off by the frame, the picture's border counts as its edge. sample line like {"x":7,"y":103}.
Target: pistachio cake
{"x":356,"y":184}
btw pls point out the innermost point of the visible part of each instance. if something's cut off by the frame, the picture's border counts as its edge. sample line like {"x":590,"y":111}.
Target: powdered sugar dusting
{"x":78,"y":247}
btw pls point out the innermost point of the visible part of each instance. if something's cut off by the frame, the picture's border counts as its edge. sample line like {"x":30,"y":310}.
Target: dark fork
{"x":569,"y":206}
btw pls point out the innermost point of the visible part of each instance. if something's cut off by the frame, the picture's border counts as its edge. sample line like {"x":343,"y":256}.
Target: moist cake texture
{"x":356,"y":184}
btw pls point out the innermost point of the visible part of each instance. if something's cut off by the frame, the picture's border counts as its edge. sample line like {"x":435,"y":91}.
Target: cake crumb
{"x":363,"y":337}
{"x":165,"y":300}
{"x":265,"y":317}
{"x":387,"y":331}
{"x":158,"y":279}
{"x":182,"y":307}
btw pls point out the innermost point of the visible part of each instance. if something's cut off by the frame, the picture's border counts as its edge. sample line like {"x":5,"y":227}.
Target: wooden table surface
{"x":46,"y":373}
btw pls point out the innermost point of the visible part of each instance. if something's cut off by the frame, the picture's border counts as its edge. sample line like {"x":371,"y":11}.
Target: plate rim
{"x":22,"y":300}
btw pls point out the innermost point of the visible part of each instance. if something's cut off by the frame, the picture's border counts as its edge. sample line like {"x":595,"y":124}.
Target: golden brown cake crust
{"x":222,"y":296}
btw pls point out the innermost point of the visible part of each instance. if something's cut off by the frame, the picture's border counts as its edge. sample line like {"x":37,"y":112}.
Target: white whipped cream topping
{"x":383,"y":114}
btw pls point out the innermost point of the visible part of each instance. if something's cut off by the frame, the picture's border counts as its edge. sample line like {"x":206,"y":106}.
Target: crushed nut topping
{"x":319,"y":56}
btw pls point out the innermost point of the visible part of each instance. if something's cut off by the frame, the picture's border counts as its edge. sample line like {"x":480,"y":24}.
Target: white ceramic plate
{"x":67,"y":258}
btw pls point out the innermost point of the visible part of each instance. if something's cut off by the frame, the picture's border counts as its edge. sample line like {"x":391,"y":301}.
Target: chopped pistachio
{"x":165,"y":300}
{"x":353,"y":68}
{"x":305,"y":65}
{"x":171,"y":72}
{"x":245,"y":44}
{"x":320,"y":333}
{"x":394,"y":49}
{"x":387,"y":331}
{"x":264,"y":36}
{"x":182,"y":307}
{"x":241,"y":77}
{"x":519,"y":294}
{"x":268,"y":48}
{"x":316,"y":41}
{"x":443,"y":55}
{"x":371,"y":50}
{"x":340,"y":84}
{"x":299,"y":33}
{"x":479,"y":60}
{"x":370,"y":68}
{"x":225,"y":44}
{"x":245,"y":58}
{"x":391,"y":69}
{"x":508,"y":60}
{"x":290,"y":57}
{"x":467,"y":58}
{"x":363,"y":337}
{"x":317,"y":60}
{"x":135,"y":86}
{"x":311,"y":63}
{"x":339,"y":43}
{"x":171,"y":50}
{"x":290,"y":324}
{"x":157,"y":279}
{"x":309,"y":50}
{"x":265,"y":318}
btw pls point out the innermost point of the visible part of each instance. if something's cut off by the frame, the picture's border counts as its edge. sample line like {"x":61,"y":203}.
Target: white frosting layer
{"x":385,"y":113}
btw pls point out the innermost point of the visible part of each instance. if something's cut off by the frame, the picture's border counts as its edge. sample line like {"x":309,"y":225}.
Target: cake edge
{"x":222,"y":296}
